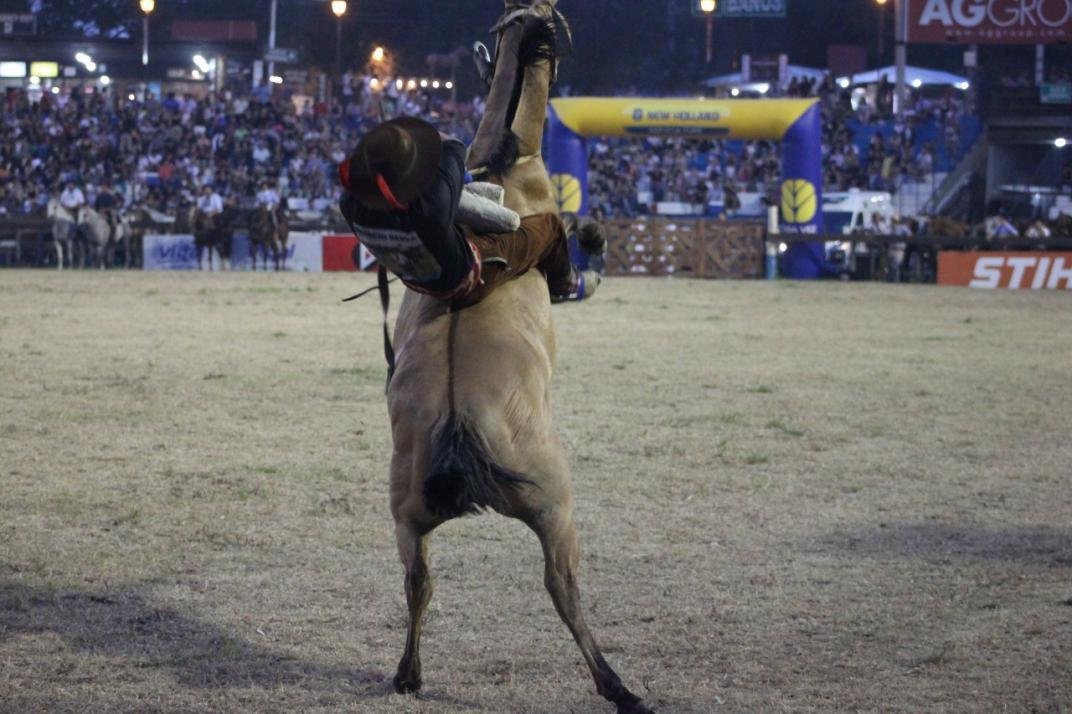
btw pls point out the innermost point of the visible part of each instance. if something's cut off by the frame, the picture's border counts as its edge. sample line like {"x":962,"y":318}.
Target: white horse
{"x":100,"y":236}
{"x":64,"y":225}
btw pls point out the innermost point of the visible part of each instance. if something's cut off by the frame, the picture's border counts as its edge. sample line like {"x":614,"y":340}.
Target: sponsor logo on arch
{"x":990,"y":21}
{"x":800,"y":201}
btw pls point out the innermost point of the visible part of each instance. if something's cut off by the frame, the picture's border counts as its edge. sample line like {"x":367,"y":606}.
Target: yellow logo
{"x":568,"y":193}
{"x":799,"y":202}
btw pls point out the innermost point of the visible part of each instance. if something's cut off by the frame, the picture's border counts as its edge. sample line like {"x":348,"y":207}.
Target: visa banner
{"x":305,"y":254}
{"x":169,"y":252}
{"x":1006,"y":271}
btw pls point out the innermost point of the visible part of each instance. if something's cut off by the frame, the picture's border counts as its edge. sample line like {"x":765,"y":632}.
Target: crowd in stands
{"x":626,"y":176}
{"x":162,"y":153}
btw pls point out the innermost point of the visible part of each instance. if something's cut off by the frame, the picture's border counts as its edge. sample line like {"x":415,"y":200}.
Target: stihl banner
{"x":1006,"y":271}
{"x":1000,"y":22}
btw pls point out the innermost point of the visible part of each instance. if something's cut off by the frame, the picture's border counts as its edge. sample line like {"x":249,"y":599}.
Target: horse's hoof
{"x":406,"y":685}
{"x":635,"y":707}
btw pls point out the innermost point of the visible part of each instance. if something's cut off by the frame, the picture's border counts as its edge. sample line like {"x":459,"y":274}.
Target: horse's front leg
{"x":413,"y":549}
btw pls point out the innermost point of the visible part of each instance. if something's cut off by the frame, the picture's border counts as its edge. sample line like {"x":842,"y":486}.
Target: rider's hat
{"x":393,"y":165}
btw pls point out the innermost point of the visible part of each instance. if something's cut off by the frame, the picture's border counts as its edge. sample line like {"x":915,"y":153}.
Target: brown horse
{"x":269,"y":234}
{"x":213,"y":233}
{"x":470,"y":399}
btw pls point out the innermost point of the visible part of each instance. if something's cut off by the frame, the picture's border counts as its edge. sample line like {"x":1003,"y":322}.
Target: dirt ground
{"x":791,"y":497}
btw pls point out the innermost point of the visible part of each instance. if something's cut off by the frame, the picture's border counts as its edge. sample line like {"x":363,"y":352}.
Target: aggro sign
{"x":990,"y":21}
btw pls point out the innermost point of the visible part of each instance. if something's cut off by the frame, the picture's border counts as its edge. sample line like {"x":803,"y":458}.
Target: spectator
{"x":1038,"y":231}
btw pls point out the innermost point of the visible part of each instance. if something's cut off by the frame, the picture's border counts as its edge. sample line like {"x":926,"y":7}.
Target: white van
{"x":847,"y":212}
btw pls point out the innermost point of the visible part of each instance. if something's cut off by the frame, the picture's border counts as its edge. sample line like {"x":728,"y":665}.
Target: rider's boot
{"x":580,"y":285}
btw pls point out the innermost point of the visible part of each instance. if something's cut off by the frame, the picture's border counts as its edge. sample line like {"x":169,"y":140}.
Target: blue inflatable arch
{"x":796,"y":123}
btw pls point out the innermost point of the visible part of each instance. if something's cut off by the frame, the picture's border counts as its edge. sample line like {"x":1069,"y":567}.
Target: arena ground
{"x":804,"y":497}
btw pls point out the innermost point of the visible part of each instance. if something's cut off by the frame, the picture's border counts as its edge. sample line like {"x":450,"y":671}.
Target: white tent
{"x":736,"y":80}
{"x":915,"y":76}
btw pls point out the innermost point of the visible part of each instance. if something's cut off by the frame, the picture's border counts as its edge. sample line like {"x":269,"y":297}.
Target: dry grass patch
{"x":792,"y":497}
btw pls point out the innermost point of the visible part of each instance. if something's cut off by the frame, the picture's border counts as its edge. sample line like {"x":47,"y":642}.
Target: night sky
{"x":622,"y":45}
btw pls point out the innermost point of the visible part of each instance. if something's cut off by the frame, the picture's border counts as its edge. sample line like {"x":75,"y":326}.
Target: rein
{"x":383,"y":285}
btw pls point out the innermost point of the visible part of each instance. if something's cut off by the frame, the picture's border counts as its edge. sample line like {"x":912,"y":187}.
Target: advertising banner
{"x":346,"y":254}
{"x":999,"y":22}
{"x":774,"y":9}
{"x":1055,"y":93}
{"x":305,"y":254}
{"x":169,"y":252}
{"x":1006,"y":271}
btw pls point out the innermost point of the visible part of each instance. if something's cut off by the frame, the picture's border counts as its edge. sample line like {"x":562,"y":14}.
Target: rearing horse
{"x":470,"y":400}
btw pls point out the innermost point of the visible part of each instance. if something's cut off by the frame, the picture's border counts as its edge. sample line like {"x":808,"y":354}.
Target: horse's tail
{"x":464,"y":477}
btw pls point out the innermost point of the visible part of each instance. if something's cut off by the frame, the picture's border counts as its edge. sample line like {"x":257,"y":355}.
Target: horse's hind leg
{"x":413,"y":549}
{"x":558,"y":536}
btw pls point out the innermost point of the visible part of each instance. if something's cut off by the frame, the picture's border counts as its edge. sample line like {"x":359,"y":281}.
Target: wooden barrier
{"x":685,"y":248}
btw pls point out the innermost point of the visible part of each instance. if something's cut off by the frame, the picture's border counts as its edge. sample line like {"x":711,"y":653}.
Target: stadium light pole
{"x":708,"y":7}
{"x":881,"y":31}
{"x":147,"y":7}
{"x":900,"y":15}
{"x":338,"y":7}
{"x":272,"y":14}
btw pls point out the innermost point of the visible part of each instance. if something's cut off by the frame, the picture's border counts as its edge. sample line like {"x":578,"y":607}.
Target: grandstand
{"x":963,"y":146}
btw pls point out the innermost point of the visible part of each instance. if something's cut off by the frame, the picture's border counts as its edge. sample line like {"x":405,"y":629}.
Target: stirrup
{"x":485,"y":66}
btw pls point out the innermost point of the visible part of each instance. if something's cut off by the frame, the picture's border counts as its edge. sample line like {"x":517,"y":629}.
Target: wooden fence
{"x":685,"y":248}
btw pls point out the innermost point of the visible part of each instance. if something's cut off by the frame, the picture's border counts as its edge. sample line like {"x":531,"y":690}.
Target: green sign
{"x":731,"y":9}
{"x":1056,"y":93}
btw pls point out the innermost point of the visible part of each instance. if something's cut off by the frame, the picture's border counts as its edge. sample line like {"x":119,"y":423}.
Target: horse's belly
{"x":502,"y":352}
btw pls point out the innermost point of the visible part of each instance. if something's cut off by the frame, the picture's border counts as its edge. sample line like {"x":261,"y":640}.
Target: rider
{"x":403,"y":185}
{"x":72,"y":198}
{"x":209,"y":202}
{"x":108,"y":204}
{"x":268,"y":198}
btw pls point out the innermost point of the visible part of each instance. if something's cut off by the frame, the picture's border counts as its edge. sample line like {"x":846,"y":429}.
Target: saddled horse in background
{"x":98,"y":235}
{"x":470,"y":399}
{"x":64,"y":230}
{"x":123,"y":234}
{"x":213,"y":234}
{"x":269,"y":236}
{"x":103,"y":234}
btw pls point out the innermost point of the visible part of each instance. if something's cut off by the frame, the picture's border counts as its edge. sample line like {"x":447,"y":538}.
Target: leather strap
{"x":384,"y":285}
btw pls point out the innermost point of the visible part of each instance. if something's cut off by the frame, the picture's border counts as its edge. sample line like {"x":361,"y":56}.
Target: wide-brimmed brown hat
{"x":393,"y":165}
